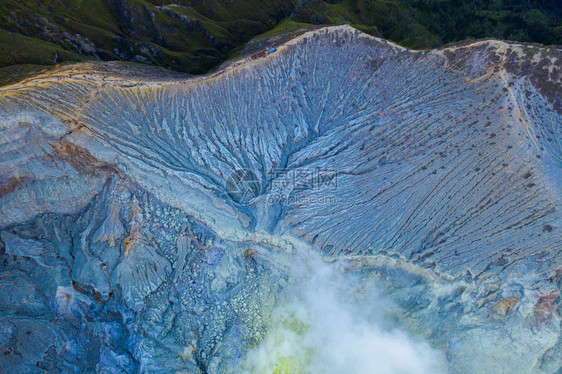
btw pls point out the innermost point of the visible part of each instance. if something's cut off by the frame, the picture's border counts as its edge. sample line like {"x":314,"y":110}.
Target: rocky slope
{"x":195,"y":36}
{"x":129,"y":242}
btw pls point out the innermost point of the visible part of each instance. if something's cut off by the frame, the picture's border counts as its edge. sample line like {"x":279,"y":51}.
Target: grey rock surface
{"x":434,"y":176}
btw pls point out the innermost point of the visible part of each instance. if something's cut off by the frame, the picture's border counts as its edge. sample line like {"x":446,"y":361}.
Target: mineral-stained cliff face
{"x":432,"y":176}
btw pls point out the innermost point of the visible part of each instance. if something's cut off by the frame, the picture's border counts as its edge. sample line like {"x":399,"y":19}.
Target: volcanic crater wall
{"x":449,"y":159}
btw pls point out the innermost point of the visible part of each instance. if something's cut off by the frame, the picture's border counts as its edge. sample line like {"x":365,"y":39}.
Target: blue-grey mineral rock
{"x":149,"y":224}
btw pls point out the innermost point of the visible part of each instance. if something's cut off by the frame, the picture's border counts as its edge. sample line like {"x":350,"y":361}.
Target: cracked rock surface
{"x":121,"y":250}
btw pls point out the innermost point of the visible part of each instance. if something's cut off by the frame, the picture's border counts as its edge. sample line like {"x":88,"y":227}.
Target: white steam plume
{"x":321,"y":327}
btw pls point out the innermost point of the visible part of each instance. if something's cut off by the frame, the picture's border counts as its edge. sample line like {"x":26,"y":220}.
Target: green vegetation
{"x":424,"y":24}
{"x":185,"y":36}
{"x":195,"y":36}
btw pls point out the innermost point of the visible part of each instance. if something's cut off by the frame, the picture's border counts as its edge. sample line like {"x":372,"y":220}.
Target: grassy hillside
{"x":195,"y":36}
{"x":429,"y":23}
{"x":188,"y":36}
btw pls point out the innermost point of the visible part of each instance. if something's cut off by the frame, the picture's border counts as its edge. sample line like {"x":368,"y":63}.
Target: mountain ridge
{"x":196,"y":36}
